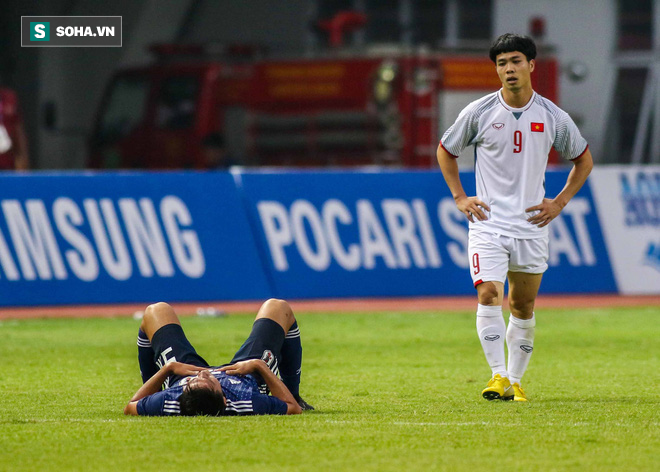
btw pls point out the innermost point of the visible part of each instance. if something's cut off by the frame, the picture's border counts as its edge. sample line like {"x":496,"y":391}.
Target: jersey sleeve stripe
{"x":446,"y":150}
{"x":240,"y":410}
{"x":581,"y":154}
{"x":171,"y":406}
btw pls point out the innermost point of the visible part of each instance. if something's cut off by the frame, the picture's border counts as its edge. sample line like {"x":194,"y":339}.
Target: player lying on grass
{"x":178,"y":381}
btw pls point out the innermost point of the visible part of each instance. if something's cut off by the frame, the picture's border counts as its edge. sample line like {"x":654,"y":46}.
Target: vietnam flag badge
{"x":537,"y":127}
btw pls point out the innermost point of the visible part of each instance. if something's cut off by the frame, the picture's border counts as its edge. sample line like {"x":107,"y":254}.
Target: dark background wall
{"x":612,"y":39}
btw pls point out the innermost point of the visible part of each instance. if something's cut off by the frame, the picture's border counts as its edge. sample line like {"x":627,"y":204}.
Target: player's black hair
{"x":202,"y":401}
{"x":510,"y":42}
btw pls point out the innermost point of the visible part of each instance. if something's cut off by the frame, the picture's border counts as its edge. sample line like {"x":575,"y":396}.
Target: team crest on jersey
{"x":498,"y":125}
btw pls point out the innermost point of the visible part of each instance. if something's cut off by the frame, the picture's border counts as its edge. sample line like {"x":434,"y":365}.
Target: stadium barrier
{"x":88,"y":238}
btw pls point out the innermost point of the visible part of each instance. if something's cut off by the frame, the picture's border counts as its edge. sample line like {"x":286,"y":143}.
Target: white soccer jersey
{"x":511,"y":154}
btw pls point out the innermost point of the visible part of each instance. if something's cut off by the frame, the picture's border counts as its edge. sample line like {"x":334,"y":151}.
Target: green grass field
{"x":393,"y":391}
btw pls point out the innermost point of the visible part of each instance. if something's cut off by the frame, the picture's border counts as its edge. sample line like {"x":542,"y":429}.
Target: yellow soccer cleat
{"x":499,"y":388}
{"x":518,"y":393}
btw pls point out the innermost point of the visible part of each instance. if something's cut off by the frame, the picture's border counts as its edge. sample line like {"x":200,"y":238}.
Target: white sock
{"x":491,"y":329}
{"x":520,"y":341}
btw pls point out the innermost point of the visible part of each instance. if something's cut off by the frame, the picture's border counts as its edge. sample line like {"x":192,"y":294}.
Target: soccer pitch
{"x":392,"y":390}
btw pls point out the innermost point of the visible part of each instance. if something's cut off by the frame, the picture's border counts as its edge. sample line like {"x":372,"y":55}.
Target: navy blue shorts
{"x":170,"y":344}
{"x":265,"y":342}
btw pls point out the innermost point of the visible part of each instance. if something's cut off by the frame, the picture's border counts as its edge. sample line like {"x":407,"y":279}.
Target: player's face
{"x":514,"y":70}
{"x":204,"y":379}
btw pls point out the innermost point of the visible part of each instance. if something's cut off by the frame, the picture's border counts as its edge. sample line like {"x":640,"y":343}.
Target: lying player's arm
{"x":155,"y":383}
{"x":275,"y":385}
{"x":469,"y":206}
{"x":551,"y":207}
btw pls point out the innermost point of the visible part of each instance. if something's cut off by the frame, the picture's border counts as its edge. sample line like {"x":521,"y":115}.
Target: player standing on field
{"x":512,"y":131}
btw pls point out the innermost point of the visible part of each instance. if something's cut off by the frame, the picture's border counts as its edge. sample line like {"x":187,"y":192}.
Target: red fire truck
{"x":377,"y":108}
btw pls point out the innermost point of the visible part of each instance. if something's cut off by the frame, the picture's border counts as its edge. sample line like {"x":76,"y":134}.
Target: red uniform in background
{"x":13,"y":143}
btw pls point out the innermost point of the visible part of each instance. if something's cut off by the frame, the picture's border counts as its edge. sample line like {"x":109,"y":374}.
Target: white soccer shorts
{"x":492,"y":256}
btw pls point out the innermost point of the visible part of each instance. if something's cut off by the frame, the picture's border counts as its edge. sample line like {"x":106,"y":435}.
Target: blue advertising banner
{"x":579,"y":261}
{"x":125,"y":237}
{"x":348,"y":234}
{"x":352,"y":234}
{"x":190,"y":236}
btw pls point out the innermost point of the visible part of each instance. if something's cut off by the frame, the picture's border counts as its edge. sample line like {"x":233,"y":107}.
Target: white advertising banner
{"x":628,"y":203}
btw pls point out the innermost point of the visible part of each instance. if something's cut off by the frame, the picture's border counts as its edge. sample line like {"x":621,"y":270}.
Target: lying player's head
{"x":202,"y":395}
{"x":510,"y":42}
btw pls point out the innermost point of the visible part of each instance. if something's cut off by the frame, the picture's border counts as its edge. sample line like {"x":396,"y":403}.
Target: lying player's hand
{"x":242,"y":367}
{"x":472,"y":208}
{"x":547,"y":211}
{"x":184,"y":370}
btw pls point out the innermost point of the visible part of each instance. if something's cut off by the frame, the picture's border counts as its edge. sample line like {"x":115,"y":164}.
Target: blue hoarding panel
{"x":185,"y":236}
{"x":349,"y":234}
{"x":358,"y":234}
{"x":579,"y":260}
{"x":125,"y":237}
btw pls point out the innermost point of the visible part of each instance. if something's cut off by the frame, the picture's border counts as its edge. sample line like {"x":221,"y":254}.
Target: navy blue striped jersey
{"x":242,"y":394}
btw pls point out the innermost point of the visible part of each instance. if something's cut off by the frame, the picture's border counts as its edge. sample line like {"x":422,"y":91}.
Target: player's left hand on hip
{"x":547,"y":211}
